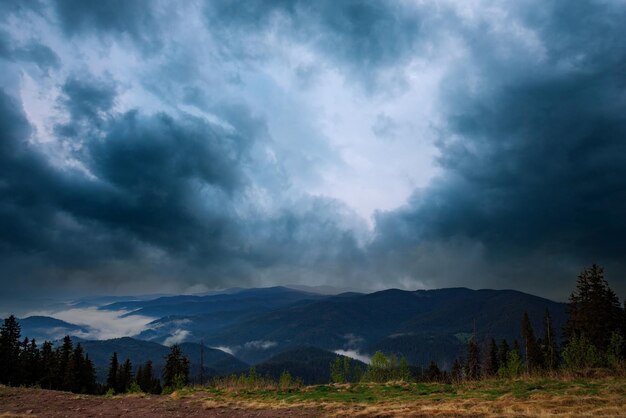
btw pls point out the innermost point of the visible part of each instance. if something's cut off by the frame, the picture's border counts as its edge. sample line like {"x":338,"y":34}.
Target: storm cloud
{"x":168,"y":147}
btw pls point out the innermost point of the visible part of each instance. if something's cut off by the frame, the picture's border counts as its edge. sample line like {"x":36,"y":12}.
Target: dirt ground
{"x":21,"y":402}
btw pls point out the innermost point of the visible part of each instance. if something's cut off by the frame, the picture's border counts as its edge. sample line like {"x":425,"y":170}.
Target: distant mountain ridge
{"x":43,"y":328}
{"x":257,"y":324}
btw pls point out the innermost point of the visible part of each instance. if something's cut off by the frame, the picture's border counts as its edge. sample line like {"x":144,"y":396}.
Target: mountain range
{"x":265,"y":326}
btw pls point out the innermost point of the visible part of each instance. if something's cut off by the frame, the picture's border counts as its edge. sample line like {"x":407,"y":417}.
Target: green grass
{"x":396,"y":392}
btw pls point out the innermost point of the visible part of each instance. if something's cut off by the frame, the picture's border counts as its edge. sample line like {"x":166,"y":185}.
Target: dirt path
{"x":21,"y":402}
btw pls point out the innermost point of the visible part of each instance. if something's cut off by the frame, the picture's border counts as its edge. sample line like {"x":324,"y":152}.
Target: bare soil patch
{"x":23,"y":402}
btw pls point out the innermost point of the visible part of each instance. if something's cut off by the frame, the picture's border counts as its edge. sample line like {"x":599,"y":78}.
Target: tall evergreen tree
{"x":10,"y":334}
{"x":146,"y":379}
{"x":531,"y":348}
{"x":624,"y":320}
{"x":113,"y":372}
{"x":125,"y":377}
{"x":503,"y":354}
{"x":176,"y":371}
{"x":457,"y":370}
{"x":75,"y":370}
{"x":593,"y":309}
{"x":88,"y":376}
{"x":433,"y":372}
{"x":29,"y":363}
{"x":49,"y":366}
{"x":549,"y":345}
{"x":472,"y":367}
{"x":491,"y":360}
{"x":64,"y":373}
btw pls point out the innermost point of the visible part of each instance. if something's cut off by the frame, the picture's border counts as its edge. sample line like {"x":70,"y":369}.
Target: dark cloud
{"x":535,"y":160}
{"x":152,"y":184}
{"x":531,"y":137}
{"x":134,"y":19}
{"x":87,"y":98}
{"x":362,"y":38}
{"x":39,"y":54}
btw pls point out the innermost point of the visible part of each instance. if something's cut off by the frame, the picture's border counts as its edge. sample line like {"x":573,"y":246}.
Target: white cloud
{"x":102,"y":324}
{"x":177,"y":337}
{"x":260,"y":344}
{"x":355,"y":355}
{"x":225,"y":349}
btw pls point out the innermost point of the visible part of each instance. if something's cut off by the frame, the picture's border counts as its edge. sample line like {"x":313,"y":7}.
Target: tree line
{"x":121,"y":379}
{"x":594,"y":336}
{"x":68,"y":368}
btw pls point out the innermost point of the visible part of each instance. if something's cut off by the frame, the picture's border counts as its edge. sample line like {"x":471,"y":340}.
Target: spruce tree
{"x":593,"y":309}
{"x":433,"y":373}
{"x":176,"y":372}
{"x":29,"y":363}
{"x":10,"y":334}
{"x":146,"y":379}
{"x":125,"y":377}
{"x":113,"y":372}
{"x":531,"y":348}
{"x":64,"y":354}
{"x":336,"y":371}
{"x":472,"y":367}
{"x":75,"y":370}
{"x":491,"y":360}
{"x":549,"y":346}
{"x":457,"y":370}
{"x":23,"y":364}
{"x":49,"y":366}
{"x":503,"y":354}
{"x":88,"y":376}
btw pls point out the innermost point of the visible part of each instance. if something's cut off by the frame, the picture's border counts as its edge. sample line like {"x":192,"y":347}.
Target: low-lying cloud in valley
{"x":101,"y":324}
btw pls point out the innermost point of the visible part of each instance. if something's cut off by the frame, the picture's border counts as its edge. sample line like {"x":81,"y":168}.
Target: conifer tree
{"x":549,"y":346}
{"x":433,"y":373}
{"x":10,"y":334}
{"x":503,"y":354}
{"x":176,"y":372}
{"x":88,"y":376}
{"x":125,"y":377}
{"x":531,"y":348}
{"x":593,"y":309}
{"x":64,"y":354}
{"x":49,"y":366}
{"x":457,"y":370}
{"x":29,"y":363}
{"x":347,"y":369}
{"x":491,"y":360}
{"x":75,"y":370}
{"x":472,"y":367}
{"x":113,"y":372}
{"x":146,"y":379}
{"x":336,"y":371}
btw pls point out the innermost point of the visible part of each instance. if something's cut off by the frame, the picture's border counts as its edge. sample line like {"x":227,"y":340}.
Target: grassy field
{"x":529,"y":397}
{"x":524,"y":397}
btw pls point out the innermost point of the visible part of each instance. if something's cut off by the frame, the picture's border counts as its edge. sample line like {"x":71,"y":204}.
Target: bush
{"x":580,"y":354}
{"x":615,"y":351}
{"x":513,"y":367}
{"x":285,"y":380}
{"x":134,"y":387}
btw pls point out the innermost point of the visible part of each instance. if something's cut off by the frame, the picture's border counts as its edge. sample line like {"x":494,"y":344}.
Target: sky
{"x":183,"y":146}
